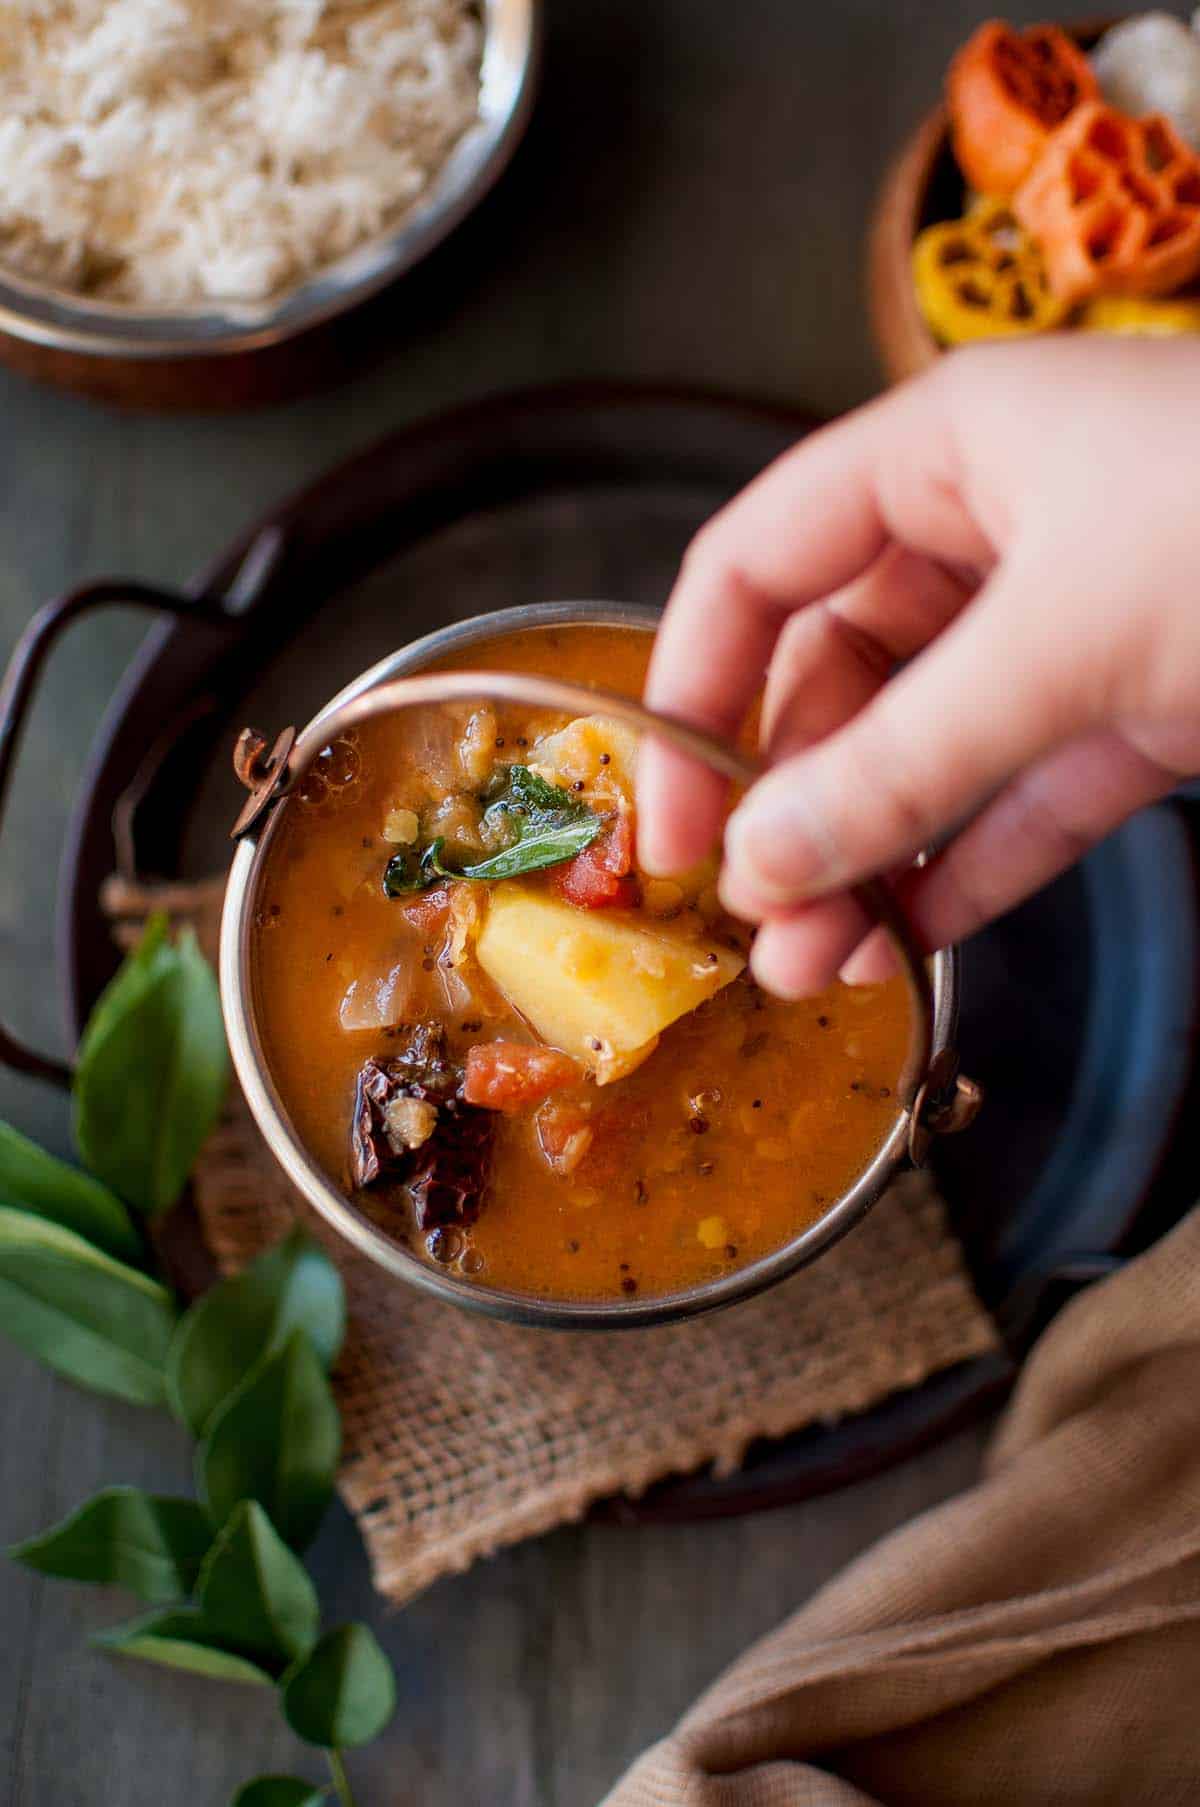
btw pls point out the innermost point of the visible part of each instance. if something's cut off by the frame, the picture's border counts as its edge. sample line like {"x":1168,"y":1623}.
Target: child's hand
{"x":976,"y":605}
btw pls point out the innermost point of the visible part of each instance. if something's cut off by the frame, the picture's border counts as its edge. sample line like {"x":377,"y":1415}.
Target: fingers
{"x":994,"y":692}
{"x":800,"y":952}
{"x":811,"y":524}
{"x":831,"y":659}
{"x":1038,"y":826}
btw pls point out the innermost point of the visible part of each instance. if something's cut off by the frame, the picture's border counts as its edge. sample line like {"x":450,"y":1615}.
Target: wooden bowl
{"x":923,"y":184}
{"x":903,"y":340}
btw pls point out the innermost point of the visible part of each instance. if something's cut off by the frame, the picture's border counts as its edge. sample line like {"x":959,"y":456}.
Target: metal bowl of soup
{"x":549,"y":1092}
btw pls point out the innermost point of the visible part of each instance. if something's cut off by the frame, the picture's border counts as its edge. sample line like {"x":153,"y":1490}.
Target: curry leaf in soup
{"x":518,"y":787}
{"x":542,"y":823}
{"x":279,"y":1791}
{"x":152,"y":1071}
{"x":32,"y":1180}
{"x":104,"y":1325}
{"x":343,"y":1693}
{"x":540,"y":847}
{"x":255,"y":1592}
{"x":220,"y":1338}
{"x":406,"y":872}
{"x":277,"y":1441}
{"x":122,"y":1537}
{"x":182,"y":1640}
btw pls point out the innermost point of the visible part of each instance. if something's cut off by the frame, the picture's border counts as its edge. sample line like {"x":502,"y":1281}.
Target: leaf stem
{"x":341,"y":1780}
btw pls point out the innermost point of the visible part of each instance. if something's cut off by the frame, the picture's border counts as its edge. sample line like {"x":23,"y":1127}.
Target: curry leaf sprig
{"x":150,"y":1080}
{"x":540,"y":824}
{"x":244,"y":1369}
{"x":152,"y":1071}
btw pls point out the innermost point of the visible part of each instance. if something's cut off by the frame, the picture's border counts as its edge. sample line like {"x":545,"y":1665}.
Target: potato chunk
{"x":600,"y":987}
{"x":597,"y":751}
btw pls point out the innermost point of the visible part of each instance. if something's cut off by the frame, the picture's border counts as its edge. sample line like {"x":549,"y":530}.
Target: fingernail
{"x":870,"y":964}
{"x":655,"y":855}
{"x":772,"y":975}
{"x":650,"y":854}
{"x":772,"y":854}
{"x":739,"y":899}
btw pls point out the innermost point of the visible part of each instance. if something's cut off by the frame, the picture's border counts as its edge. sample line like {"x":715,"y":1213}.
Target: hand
{"x":976,"y":608}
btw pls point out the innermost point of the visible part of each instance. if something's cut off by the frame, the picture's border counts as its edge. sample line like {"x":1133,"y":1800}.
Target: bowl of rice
{"x":190,"y":182}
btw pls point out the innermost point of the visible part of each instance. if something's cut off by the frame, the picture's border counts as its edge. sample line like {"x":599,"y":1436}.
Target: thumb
{"x":1001,"y":686}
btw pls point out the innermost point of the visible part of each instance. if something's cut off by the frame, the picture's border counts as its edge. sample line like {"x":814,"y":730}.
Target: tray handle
{"x":20,"y":684}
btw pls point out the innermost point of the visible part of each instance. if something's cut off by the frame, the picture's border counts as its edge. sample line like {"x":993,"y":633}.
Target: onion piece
{"x":378,"y":1000}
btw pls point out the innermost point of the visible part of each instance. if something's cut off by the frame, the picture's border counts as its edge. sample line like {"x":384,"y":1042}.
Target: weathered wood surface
{"x":690,"y":208}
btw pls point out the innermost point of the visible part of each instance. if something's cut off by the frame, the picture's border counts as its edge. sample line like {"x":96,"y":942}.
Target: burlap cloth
{"x":463,"y":1435}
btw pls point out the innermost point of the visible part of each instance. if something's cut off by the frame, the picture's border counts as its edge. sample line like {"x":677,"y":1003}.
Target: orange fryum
{"x":1007,"y":91}
{"x":1114,"y":204}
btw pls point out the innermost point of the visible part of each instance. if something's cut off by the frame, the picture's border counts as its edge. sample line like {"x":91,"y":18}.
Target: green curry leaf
{"x":220,"y":1338}
{"x":101,"y":1323}
{"x":123,"y":1537}
{"x":152,"y":1071}
{"x":32,"y":1180}
{"x":343,"y":1693}
{"x":277,"y":1441}
{"x":542,"y":823}
{"x":254,"y":1592}
{"x":279,"y":1791}
{"x":182,"y":1640}
{"x":409,"y":869}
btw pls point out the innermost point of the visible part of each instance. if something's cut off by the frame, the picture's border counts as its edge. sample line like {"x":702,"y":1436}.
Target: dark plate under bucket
{"x":1079,"y":1011}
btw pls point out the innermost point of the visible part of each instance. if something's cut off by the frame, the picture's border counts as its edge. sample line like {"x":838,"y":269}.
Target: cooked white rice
{"x":163,"y":151}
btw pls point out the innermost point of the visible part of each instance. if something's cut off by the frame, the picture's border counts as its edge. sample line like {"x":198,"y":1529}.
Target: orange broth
{"x":750,"y":1116}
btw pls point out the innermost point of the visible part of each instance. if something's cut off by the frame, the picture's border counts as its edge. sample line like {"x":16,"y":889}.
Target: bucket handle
{"x":19,"y":687}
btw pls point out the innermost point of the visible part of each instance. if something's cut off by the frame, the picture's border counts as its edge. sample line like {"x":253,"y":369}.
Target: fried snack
{"x":982,"y":277}
{"x":1114,"y":204}
{"x":1007,"y":91}
{"x":1142,"y":316}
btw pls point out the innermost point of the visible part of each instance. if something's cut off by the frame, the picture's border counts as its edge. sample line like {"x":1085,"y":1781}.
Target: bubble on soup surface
{"x":445,"y":1245}
{"x":333,"y":772}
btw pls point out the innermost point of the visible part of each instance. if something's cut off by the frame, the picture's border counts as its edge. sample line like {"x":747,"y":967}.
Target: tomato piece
{"x":584,"y":883}
{"x":614,"y":848}
{"x":602,"y":876}
{"x":511,"y":1076}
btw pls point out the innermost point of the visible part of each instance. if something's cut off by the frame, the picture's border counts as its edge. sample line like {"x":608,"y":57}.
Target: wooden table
{"x":689,"y":208}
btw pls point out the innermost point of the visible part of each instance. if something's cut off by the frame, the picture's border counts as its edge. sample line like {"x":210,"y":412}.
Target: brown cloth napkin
{"x":1035,"y":1641}
{"x":463,"y":1435}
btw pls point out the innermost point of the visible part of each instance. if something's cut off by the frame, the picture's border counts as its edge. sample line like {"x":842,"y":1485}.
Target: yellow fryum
{"x":982,"y":277}
{"x":1142,"y":316}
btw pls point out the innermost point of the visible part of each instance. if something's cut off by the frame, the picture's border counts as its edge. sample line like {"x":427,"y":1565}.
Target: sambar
{"x":519,"y":1056}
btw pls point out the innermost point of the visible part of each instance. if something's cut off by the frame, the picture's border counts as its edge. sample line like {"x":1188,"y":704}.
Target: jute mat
{"x":462,"y":1436}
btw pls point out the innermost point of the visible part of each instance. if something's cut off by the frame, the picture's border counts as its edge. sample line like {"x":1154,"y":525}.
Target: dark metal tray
{"x":1079,"y":1012}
